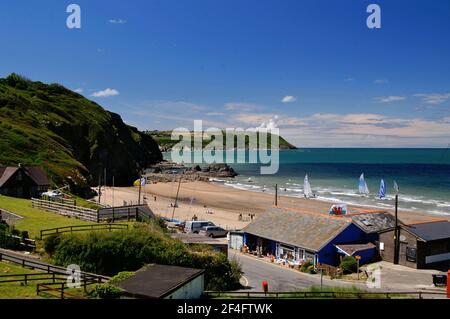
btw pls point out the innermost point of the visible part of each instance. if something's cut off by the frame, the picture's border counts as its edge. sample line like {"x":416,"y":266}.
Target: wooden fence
{"x":58,"y":288}
{"x":103,"y":214}
{"x":65,"y":209}
{"x":71,"y":202}
{"x":32,"y":264}
{"x":70,"y":229}
{"x":25,"y":278}
{"x":321,"y":294}
{"x":125,"y":213}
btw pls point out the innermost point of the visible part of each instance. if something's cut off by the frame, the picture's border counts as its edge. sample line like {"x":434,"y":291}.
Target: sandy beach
{"x":222,"y":205}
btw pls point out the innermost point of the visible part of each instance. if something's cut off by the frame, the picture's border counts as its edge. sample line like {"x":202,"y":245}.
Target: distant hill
{"x":73,"y":138}
{"x":164,"y":140}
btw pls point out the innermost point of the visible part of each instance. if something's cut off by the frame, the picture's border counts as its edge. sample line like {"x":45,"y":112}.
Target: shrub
{"x":51,"y":243}
{"x":109,"y":253}
{"x":307,"y":266}
{"x":123,"y":275}
{"x":348,"y":265}
{"x":106,"y":291}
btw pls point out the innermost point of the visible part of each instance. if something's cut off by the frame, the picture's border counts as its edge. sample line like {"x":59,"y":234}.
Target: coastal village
{"x":288,"y":237}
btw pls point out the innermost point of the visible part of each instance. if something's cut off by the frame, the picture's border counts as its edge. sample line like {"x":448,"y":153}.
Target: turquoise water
{"x":423,"y":176}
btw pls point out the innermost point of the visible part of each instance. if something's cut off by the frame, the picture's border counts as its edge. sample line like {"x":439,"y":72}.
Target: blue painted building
{"x":295,"y":237}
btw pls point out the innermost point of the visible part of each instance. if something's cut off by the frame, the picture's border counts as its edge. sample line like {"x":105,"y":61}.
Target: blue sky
{"x":231,"y":63}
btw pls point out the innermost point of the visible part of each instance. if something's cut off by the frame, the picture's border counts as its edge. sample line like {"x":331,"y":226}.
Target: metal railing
{"x":320,"y":294}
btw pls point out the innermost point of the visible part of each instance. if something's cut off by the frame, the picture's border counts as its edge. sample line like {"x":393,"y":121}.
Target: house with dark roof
{"x":23,"y":181}
{"x":296,"y":237}
{"x":424,"y":245}
{"x":164,"y":282}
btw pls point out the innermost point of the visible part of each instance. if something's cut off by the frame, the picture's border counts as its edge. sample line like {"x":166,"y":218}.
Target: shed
{"x":164,"y":282}
{"x":424,"y":245}
{"x":235,"y":239}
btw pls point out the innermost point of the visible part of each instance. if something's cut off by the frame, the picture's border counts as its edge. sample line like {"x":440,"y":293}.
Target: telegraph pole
{"x":396,"y":232}
{"x":99,"y":187}
{"x":276,"y":194}
{"x":176,"y":198}
{"x":113,"y":192}
{"x":140,"y":182}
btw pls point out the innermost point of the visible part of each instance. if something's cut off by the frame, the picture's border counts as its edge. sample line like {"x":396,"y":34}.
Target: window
{"x":411,"y":254}
{"x":381,"y":246}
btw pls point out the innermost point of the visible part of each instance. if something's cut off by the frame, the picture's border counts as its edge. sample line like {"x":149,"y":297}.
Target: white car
{"x":53,"y":194}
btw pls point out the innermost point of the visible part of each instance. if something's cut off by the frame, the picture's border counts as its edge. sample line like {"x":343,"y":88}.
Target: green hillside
{"x":72,"y":137}
{"x":164,"y":140}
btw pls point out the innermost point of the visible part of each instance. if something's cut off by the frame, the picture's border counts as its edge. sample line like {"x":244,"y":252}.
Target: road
{"x":394,"y":278}
{"x":278,"y":278}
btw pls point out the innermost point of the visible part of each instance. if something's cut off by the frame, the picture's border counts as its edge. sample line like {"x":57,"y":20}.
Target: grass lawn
{"x":35,"y":219}
{"x":18,"y":290}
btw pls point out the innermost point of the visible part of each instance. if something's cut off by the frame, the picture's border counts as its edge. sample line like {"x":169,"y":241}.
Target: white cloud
{"x":240,"y":106}
{"x":381,"y":81}
{"x":356,"y":130}
{"x":289,"y":99}
{"x":117,"y":21}
{"x":106,"y":93}
{"x":270,"y":124}
{"x":79,"y":90}
{"x":349,"y":79}
{"x":389,"y":99}
{"x":215,"y":113}
{"x":433,"y":98}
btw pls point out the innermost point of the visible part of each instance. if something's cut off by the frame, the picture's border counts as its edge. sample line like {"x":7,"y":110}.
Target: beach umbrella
{"x":382,"y":192}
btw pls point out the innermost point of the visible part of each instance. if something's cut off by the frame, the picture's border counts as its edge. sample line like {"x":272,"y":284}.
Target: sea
{"x":422,"y":175}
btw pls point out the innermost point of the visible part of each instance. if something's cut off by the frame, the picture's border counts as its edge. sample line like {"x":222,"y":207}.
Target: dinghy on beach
{"x":362,"y":187}
{"x":307,"y":191}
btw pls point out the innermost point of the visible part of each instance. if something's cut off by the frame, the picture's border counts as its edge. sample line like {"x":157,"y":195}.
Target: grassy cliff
{"x":164,"y":140}
{"x":72,"y":137}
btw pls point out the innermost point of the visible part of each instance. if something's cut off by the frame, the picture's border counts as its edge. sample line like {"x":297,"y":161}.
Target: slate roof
{"x":374,"y":222}
{"x":158,"y":281}
{"x":307,"y":231}
{"x":354,"y":248}
{"x":430,"y":231}
{"x":7,"y":172}
{"x":36,"y":173}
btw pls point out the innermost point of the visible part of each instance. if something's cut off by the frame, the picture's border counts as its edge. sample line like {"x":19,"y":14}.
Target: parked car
{"x":213,"y":231}
{"x":194,"y":226}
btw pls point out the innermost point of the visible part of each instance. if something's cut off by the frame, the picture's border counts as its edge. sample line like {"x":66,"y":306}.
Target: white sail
{"x":362,"y":187}
{"x":307,"y":191}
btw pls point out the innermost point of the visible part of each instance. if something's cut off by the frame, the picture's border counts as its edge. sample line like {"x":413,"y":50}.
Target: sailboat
{"x":307,"y":191}
{"x":362,"y":187}
{"x":382,"y":192}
